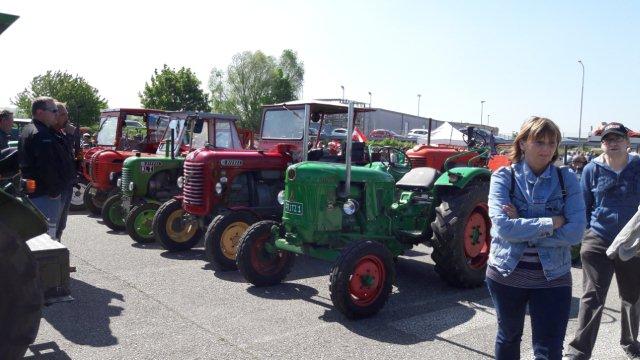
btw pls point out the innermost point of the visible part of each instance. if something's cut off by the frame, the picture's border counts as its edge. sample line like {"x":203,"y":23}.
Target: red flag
{"x":358,"y":135}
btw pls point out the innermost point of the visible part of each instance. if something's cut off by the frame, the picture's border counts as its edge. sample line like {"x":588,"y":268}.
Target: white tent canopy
{"x":444,"y":134}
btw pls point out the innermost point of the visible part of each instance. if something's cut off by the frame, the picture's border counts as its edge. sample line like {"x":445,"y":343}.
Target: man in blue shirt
{"x":611,"y":189}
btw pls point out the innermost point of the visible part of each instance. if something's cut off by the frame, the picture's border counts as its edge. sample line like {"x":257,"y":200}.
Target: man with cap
{"x":611,"y":189}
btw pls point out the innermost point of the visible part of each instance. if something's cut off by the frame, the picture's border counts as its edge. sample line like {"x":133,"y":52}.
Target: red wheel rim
{"x":262,"y":261}
{"x":367,"y":280}
{"x":477,"y":237}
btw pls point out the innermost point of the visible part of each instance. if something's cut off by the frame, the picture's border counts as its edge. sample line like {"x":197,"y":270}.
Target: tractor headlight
{"x":119,"y":183}
{"x":180,"y":182}
{"x":350,"y":207}
{"x":131,"y":186}
{"x":281,"y":197}
{"x":112,"y":176}
{"x":219,"y":188}
{"x":223,"y":180}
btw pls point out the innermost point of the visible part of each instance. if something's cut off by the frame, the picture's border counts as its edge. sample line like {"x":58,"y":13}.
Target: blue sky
{"x":521,"y":57}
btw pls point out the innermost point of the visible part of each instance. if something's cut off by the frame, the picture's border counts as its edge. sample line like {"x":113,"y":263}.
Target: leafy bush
{"x":404,"y":145}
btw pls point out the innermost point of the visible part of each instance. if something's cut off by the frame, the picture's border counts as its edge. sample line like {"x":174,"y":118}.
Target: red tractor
{"x":122,"y":133}
{"x":225,"y":192}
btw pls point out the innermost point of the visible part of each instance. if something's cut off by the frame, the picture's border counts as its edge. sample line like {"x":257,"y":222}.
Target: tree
{"x":252,"y":80}
{"x":174,"y":90}
{"x":83,"y":101}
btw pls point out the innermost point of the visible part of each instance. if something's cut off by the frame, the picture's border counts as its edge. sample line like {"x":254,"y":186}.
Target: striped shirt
{"x":528,"y":274}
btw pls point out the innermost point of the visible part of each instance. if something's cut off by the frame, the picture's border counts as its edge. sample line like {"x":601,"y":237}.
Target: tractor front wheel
{"x":174,"y":229}
{"x":258,"y":260}
{"x":139,"y":222}
{"x":113,"y":213}
{"x":361,"y":279}
{"x":461,"y":235}
{"x":89,"y":200}
{"x":223,"y":236}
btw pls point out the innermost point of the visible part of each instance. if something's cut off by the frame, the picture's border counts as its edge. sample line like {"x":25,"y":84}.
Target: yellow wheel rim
{"x":178,"y":229}
{"x":230,"y":238}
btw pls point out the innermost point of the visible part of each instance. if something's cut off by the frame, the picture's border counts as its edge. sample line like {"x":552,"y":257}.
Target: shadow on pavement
{"x":193,"y":254}
{"x":151,"y":245}
{"x":304,"y":267}
{"x":85,"y":321}
{"x":49,"y":350}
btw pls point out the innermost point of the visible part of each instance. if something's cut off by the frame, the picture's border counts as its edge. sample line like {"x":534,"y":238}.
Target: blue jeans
{"x":64,"y":211}
{"x":549,"y":310}
{"x":51,"y":208}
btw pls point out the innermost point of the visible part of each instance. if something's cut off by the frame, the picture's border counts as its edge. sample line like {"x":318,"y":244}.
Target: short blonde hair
{"x":535,"y":128}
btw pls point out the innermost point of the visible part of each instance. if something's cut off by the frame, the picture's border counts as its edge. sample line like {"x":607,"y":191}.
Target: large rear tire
{"x":21,"y":300}
{"x":361,"y":279}
{"x":89,"y":202}
{"x":461,"y":235}
{"x":258,"y":265}
{"x":113,"y":213}
{"x":139,"y":222}
{"x":223,"y":236}
{"x":174,"y":229}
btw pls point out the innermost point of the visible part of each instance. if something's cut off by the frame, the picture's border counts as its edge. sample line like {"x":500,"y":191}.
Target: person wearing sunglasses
{"x":611,"y":188}
{"x":41,"y":154}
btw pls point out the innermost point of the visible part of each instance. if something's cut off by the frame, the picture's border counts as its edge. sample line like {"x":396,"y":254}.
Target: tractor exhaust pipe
{"x":429,"y":134}
{"x":347,"y":158}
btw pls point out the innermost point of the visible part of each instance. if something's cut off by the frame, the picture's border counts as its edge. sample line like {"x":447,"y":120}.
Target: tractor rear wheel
{"x":174,"y":229}
{"x":461,"y":235}
{"x":361,"y":279}
{"x":258,"y":260}
{"x":21,"y":301}
{"x":139,"y":222}
{"x":113,"y":213}
{"x":89,"y":201}
{"x":223,"y":236}
{"x":77,"y":197}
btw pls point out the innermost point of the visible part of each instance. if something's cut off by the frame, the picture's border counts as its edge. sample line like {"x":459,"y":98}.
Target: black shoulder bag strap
{"x":512,"y":190}
{"x":561,"y":179}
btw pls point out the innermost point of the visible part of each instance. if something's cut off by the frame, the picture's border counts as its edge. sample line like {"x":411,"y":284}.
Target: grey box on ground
{"x":53,"y":264}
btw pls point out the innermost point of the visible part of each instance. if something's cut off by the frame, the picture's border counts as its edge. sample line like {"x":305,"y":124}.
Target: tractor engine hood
{"x":247,"y":159}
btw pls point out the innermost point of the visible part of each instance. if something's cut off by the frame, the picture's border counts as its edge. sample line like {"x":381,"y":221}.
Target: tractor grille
{"x":193,"y":187}
{"x":93,"y":168}
{"x":418,"y":162}
{"x":126,"y":178}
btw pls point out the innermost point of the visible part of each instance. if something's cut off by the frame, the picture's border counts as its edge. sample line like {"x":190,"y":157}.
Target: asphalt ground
{"x":141,"y":302}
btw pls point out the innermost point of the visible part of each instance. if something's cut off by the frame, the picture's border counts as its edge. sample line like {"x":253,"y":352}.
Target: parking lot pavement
{"x":141,"y":302}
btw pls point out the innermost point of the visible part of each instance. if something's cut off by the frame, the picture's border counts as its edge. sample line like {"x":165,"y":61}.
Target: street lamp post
{"x":369,"y":99}
{"x":488,"y":115}
{"x":481,"y":110}
{"x":581,"y":97}
{"x":342,"y":87}
{"x":419,"y":96}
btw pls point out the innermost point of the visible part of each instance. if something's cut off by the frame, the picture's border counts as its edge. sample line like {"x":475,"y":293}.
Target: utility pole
{"x":581,"y":97}
{"x":419,"y":96}
{"x":481,"y":110}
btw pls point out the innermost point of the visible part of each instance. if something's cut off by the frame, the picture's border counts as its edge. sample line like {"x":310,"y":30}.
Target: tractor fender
{"x":460,"y":177}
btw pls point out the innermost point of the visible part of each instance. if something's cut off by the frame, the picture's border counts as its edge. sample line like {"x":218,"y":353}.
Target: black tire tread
{"x":212,"y":237}
{"x":113,"y":200}
{"x":160,"y":233}
{"x":130,"y":223}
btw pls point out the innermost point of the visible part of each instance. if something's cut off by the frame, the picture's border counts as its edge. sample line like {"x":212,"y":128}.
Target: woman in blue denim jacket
{"x":537,"y":214}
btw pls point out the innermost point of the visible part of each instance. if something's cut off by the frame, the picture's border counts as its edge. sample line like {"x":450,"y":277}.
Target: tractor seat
{"x":9,"y":165}
{"x":422,"y":177}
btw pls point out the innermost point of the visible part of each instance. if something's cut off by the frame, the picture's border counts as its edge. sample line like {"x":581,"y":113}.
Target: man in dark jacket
{"x":6,"y":123}
{"x":42,"y":158}
{"x":611,"y":189}
{"x":68,"y":136}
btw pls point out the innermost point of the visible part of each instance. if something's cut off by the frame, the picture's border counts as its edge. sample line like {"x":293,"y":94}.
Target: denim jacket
{"x":611,"y":198}
{"x":537,"y":199}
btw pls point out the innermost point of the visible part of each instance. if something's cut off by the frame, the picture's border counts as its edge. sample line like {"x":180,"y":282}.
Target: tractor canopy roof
{"x":326,"y":107}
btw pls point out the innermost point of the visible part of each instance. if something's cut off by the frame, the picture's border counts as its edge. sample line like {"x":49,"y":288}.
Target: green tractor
{"x":147,"y":182}
{"x":362,"y":219}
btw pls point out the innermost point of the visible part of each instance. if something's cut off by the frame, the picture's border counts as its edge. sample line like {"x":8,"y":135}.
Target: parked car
{"x":381,"y":134}
{"x":339,"y":132}
{"x":416,"y":133}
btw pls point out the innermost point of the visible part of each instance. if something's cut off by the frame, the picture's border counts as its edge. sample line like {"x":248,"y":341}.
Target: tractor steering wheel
{"x":478,"y":139}
{"x":395,"y":158}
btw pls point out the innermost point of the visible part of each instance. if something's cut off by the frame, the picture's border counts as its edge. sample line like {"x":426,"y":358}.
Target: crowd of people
{"x":538,"y":212}
{"x":47,"y":149}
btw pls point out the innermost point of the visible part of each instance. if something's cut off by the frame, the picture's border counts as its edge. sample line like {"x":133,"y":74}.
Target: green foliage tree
{"x":174,"y":90}
{"x":252,"y":80}
{"x":83,"y":101}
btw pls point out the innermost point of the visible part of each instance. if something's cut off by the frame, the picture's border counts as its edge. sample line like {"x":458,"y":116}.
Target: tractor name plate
{"x":149,"y":166}
{"x":294,"y":208}
{"x":231,"y":162}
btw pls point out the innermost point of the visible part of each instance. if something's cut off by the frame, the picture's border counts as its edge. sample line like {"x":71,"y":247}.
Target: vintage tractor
{"x":237,"y":188}
{"x":122,"y":133}
{"x":361,"y":218}
{"x":148,"y":182}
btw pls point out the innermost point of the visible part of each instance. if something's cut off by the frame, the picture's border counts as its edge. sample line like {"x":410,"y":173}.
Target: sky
{"x":520,"y":57}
